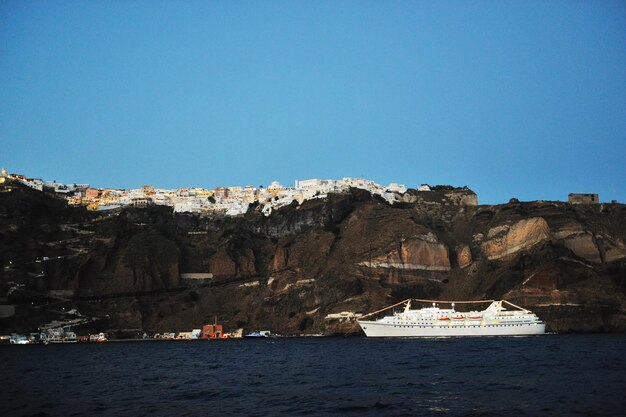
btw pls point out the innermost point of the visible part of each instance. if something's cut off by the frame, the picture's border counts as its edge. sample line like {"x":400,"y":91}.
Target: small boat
{"x":259,"y":334}
{"x":98,"y":338}
{"x":18,"y":339}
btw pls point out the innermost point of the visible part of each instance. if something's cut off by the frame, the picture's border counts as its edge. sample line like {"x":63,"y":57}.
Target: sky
{"x":510,"y":98}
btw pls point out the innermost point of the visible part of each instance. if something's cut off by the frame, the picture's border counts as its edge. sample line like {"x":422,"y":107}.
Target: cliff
{"x":349,"y":252}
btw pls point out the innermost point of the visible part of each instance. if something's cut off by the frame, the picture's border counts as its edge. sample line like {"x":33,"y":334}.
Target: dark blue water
{"x":527,"y":376}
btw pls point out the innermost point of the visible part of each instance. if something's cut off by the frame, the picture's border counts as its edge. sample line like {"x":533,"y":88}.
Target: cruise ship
{"x":433,"y":321}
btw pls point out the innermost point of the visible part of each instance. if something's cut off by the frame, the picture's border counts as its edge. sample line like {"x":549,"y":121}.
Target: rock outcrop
{"x":463,"y":256}
{"x":507,"y":240}
{"x":420,"y":252}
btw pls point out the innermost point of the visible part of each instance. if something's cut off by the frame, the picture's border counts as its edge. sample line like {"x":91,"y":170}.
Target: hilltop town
{"x":229,"y":201}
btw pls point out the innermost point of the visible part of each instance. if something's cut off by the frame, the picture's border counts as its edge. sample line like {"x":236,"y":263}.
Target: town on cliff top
{"x":229,"y":201}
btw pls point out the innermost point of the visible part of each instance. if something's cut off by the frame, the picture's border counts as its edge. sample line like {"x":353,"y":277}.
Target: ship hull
{"x":377,"y":329}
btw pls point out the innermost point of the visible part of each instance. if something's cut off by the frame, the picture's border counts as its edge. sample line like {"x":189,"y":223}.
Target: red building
{"x":212,"y":331}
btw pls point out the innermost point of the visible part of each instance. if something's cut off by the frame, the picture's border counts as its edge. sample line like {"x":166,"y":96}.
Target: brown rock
{"x":422,"y":252}
{"x":584,"y":246}
{"x":280,"y":258}
{"x":508,"y":240}
{"x":612,"y":250}
{"x":569,"y":229}
{"x":463,"y":256}
{"x":221,"y":264}
{"x":245,"y":262}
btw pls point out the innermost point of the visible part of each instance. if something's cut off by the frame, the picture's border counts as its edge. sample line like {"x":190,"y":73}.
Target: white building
{"x":237,"y":209}
{"x":231,"y":201}
{"x":275,"y":185}
{"x":396,"y":188}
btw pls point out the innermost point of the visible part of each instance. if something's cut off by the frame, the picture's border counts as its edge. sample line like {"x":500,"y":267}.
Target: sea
{"x":550,"y":375}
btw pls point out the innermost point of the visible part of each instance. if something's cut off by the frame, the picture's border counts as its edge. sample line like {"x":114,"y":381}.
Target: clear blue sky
{"x":513,"y":99}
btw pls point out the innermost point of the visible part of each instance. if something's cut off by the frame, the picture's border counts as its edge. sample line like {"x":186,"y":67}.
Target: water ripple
{"x":547,"y":376}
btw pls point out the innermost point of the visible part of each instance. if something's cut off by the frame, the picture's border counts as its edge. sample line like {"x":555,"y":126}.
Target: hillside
{"x":122,"y":269}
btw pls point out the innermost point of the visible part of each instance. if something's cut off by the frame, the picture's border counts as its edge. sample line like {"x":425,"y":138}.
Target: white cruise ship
{"x":495,"y":320}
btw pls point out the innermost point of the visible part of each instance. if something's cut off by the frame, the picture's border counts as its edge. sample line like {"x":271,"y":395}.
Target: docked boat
{"x":98,"y":338}
{"x":500,"y":318}
{"x":18,"y":339}
{"x":259,"y":334}
{"x":58,"y":335}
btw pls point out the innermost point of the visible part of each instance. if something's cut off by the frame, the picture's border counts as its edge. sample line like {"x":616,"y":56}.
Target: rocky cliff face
{"x":286,"y":272}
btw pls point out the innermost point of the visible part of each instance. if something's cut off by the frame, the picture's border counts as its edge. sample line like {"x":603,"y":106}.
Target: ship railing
{"x":450,"y":302}
{"x":384,"y":309}
{"x":468,"y":302}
